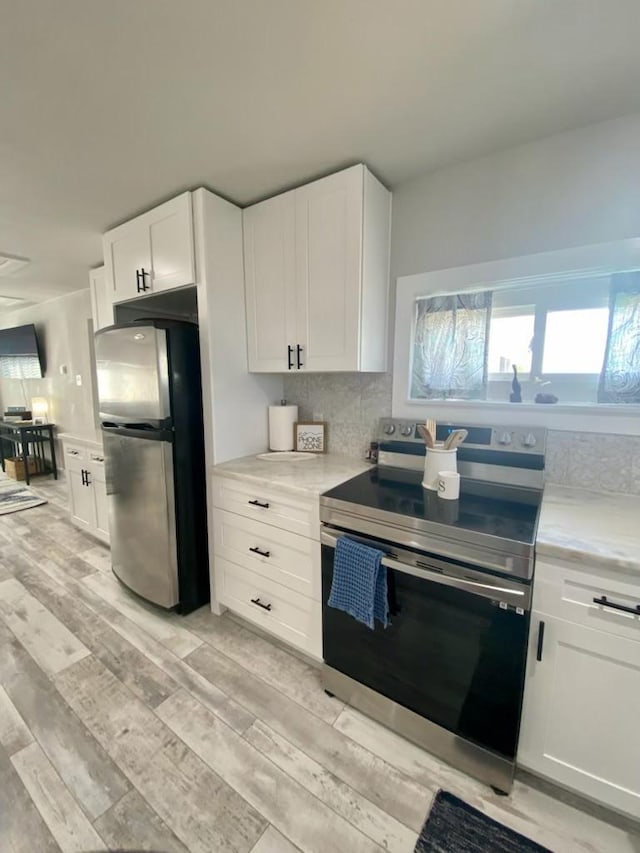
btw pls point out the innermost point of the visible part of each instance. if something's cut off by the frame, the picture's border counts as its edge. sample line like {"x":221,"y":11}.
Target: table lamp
{"x":39,"y":410}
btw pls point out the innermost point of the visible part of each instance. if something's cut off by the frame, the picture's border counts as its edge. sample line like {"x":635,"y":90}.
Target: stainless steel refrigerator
{"x":150,"y":403}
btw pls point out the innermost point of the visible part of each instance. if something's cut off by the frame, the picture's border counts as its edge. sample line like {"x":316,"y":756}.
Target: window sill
{"x":573,"y":408}
{"x":574,"y":417}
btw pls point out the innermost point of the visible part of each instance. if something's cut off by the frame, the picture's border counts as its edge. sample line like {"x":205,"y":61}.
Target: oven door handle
{"x":465,"y":584}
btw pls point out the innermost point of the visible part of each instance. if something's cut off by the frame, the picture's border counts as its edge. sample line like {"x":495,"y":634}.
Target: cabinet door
{"x":170,"y":236}
{"x":83,"y":510}
{"x":329,"y":270}
{"x":101,"y":299}
{"x":126,"y":251}
{"x":581,"y":712}
{"x":99,"y":488}
{"x":269,"y":262}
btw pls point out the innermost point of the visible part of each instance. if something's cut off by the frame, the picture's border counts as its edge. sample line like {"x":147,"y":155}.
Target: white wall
{"x":571,"y":189}
{"x":64,"y":332}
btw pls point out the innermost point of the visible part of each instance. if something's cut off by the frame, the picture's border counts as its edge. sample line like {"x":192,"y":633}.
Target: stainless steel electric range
{"x":448,"y":673}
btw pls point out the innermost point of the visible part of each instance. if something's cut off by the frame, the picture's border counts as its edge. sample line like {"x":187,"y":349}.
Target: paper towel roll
{"x":281,"y":421}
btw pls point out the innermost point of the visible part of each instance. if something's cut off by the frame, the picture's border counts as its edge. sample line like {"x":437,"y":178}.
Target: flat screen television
{"x":20,"y":354}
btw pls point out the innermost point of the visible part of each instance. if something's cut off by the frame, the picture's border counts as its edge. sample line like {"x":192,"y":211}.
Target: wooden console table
{"x":29,"y":440}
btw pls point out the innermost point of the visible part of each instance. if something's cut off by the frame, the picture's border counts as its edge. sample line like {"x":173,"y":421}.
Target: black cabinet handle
{"x":260,"y":604}
{"x":289,"y":357}
{"x":257,"y":550}
{"x":144,"y":285}
{"x":138,"y":288}
{"x":84,"y":474}
{"x":298,"y":353}
{"x":540,"y":640}
{"x":624,"y":608}
{"x":87,"y":481}
{"x":260,"y":504}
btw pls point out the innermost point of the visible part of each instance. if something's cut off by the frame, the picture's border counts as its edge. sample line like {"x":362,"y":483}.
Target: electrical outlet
{"x":78,"y":379}
{"x":318,"y":416}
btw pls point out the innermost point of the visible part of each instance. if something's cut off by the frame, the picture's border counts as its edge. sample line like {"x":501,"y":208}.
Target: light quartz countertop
{"x":307,"y":477}
{"x":592,"y":528}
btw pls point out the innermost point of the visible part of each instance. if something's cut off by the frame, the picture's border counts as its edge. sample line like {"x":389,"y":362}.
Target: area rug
{"x":16,"y":496}
{"x":454,"y":826}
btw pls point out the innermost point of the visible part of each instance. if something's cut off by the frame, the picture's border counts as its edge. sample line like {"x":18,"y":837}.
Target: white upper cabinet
{"x":152,"y":252}
{"x":269,"y":269}
{"x":317,"y":276}
{"x":101,"y":299}
{"x":329,"y":215}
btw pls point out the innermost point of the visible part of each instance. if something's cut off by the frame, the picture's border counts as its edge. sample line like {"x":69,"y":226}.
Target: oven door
{"x":454,"y":652}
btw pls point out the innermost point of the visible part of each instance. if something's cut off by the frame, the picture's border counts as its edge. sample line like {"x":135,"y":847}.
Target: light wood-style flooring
{"x":124,"y":727}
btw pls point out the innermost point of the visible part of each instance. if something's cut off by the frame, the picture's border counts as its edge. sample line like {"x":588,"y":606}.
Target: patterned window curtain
{"x":450,"y":347}
{"x":620,"y":377}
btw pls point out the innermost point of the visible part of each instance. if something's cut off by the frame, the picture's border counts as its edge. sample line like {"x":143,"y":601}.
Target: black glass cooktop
{"x":488,"y":508}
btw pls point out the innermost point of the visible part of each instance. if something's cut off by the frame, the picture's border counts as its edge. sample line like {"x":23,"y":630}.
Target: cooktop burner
{"x":491,"y":509}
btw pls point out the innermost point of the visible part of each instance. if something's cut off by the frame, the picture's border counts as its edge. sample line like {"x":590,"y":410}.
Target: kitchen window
{"x":568,"y":341}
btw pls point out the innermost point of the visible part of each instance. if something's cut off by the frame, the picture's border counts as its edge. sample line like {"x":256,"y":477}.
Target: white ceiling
{"x":109,"y":106}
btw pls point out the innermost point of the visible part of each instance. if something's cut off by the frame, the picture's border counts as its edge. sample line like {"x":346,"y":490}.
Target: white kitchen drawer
{"x":75,"y":456}
{"x":297,"y":514}
{"x":567,"y":592}
{"x":289,"y":559}
{"x":294,"y":618}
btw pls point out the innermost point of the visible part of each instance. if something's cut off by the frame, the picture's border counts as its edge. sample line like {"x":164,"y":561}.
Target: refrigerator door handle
{"x":143,"y":431}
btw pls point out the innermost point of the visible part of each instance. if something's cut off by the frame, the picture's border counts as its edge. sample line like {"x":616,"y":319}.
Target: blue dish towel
{"x":359,"y":584}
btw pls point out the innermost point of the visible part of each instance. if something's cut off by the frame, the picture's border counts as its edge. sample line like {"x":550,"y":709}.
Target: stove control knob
{"x":389,"y":429}
{"x":529,"y":440}
{"x":504,"y":439}
{"x":406,"y":429}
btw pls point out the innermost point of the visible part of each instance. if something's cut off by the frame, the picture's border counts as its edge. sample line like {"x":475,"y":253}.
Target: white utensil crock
{"x":438,"y":459}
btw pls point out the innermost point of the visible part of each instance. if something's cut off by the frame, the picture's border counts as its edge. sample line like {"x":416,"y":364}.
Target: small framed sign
{"x":310,"y":436}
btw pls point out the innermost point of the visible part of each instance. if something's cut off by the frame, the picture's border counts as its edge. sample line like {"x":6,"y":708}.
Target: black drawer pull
{"x":623,"y":607}
{"x":257,"y":550}
{"x":299,"y":352}
{"x":289,"y":357}
{"x":540,"y":641}
{"x":143,"y":285}
{"x":138,"y":288}
{"x":260,"y":604}
{"x":260,"y":504}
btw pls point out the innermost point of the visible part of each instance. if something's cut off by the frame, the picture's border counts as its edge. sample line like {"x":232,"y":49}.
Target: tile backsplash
{"x":351,"y":403}
{"x":596,"y":461}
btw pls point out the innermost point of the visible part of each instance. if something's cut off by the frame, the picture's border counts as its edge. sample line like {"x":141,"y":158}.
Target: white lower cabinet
{"x":97,"y":474}
{"x":83,"y":509}
{"x":84,"y":466}
{"x":581,"y":717}
{"x":264,"y":569}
